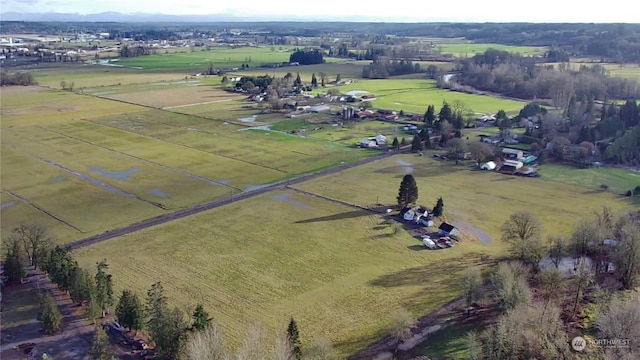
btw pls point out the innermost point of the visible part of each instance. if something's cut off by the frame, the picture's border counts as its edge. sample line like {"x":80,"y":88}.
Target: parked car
{"x":428,"y":242}
{"x":444,"y":243}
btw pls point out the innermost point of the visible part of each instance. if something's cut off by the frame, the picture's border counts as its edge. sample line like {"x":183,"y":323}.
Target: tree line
{"x":383,"y":68}
{"x":539,"y":324}
{"x":522,"y":77}
{"x":307,"y":57}
{"x":127,"y":51}
{"x":22,"y":78}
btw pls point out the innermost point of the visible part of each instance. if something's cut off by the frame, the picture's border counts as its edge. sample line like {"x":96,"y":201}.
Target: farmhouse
{"x":446,"y":229}
{"x":418,"y":215}
{"x":512,"y":154}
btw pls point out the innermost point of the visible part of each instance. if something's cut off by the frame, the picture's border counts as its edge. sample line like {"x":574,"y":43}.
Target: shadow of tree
{"x":340,"y":216}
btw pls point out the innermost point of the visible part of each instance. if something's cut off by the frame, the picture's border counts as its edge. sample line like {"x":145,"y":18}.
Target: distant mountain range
{"x":112,"y":16}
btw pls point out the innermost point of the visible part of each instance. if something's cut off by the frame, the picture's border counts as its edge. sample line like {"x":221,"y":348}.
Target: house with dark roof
{"x":446,"y":229}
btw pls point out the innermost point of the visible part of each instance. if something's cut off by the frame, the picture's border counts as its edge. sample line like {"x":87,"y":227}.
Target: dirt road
{"x":144,"y":224}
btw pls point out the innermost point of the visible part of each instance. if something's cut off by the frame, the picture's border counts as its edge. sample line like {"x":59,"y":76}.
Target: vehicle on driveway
{"x":428,"y":242}
{"x":444,"y":243}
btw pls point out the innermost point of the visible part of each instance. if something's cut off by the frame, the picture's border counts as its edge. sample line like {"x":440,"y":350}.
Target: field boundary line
{"x":169,"y":168}
{"x":335,"y":201}
{"x":187,"y":147}
{"x":196,"y":104}
{"x":161,"y":219}
{"x":42,"y":210}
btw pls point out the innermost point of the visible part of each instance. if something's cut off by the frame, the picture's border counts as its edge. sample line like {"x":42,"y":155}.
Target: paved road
{"x":144,"y":224}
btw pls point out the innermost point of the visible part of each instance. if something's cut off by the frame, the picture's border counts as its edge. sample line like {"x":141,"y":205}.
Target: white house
{"x":512,"y":154}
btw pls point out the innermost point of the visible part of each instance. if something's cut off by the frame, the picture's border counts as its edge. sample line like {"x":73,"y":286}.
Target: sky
{"x":393,"y":11}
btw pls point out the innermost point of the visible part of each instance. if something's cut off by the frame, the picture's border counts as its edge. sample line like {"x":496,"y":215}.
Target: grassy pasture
{"x":619,"y":180}
{"x":349,"y":134}
{"x":92,"y":76}
{"x":413,"y":96}
{"x":339,"y":272}
{"x":630,"y":71}
{"x":182,"y":96}
{"x":48,"y":107}
{"x":261,"y":156}
{"x":198,"y":60}
{"x":470,"y":49}
{"x":146,"y":180}
{"x":485,"y":199}
{"x":79,"y":203}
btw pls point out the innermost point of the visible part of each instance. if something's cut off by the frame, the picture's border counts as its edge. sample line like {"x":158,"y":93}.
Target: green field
{"x":198,"y":60}
{"x":83,"y":165}
{"x":337,"y":270}
{"x":413,"y":96}
{"x":619,"y":180}
{"x":470,"y":49}
{"x":630,"y":71}
{"x":466,"y":193}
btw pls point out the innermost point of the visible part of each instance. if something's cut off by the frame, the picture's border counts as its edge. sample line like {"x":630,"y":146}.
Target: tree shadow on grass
{"x":417,"y":247}
{"x":340,"y":216}
{"x":441,"y":271}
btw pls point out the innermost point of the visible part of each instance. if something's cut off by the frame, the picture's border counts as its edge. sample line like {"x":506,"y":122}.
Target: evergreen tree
{"x":201,"y":318}
{"x":603,"y":111}
{"x":403,"y":142}
{"x":294,"y":339}
{"x":439,"y":208}
{"x":416,"y":144}
{"x":297,"y":81}
{"x":445,"y":112}
{"x":49,"y":317}
{"x":15,"y":263}
{"x":338,"y":78}
{"x":129,"y":311}
{"x":60,"y":267}
{"x":166,"y":326}
{"x":458,"y":121}
{"x":430,"y":115}
{"x":395,"y":144}
{"x":427,"y":140}
{"x":82,"y":285}
{"x":104,"y":287}
{"x":408,"y":192}
{"x":314,"y":80}
{"x":100,"y":346}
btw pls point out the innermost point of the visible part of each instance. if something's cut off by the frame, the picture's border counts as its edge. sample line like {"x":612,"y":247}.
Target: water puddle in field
{"x":158,"y":193}
{"x":285,"y":198}
{"x":408,"y":167}
{"x":224,"y":182}
{"x":7,"y":205}
{"x":115,"y":175}
{"x":249,"y":119}
{"x":57,"y":179}
{"x":254,"y":187}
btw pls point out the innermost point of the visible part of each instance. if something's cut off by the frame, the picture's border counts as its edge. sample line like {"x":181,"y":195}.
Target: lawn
{"x":338,"y":271}
{"x":20,"y":306}
{"x":619,"y":180}
{"x":198,"y":60}
{"x":470,"y":49}
{"x":413,"y":96}
{"x":485,"y":199}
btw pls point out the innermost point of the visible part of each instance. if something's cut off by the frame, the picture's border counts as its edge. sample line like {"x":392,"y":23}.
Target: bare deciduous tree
{"x":320,"y":349}
{"x":522,"y":232}
{"x":283,"y":349}
{"x":208,"y":344}
{"x":253,"y":347}
{"x":471,"y":286}
{"x":402,"y":321}
{"x":510,"y":285}
{"x":620,"y":319}
{"x":480,"y":151}
{"x":628,"y":253}
{"x":558,"y":248}
{"x":35,"y":240}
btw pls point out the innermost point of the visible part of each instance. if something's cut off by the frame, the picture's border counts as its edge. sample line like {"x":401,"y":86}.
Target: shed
{"x":446,"y":229}
{"x":513,"y":154}
{"x":513,"y":163}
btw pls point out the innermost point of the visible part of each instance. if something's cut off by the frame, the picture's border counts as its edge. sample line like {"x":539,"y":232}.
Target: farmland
{"x":198,"y":60}
{"x":339,"y":271}
{"x":413,"y":96}
{"x":469,"y":49}
{"x":83,"y":165}
{"x":466,"y":192}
